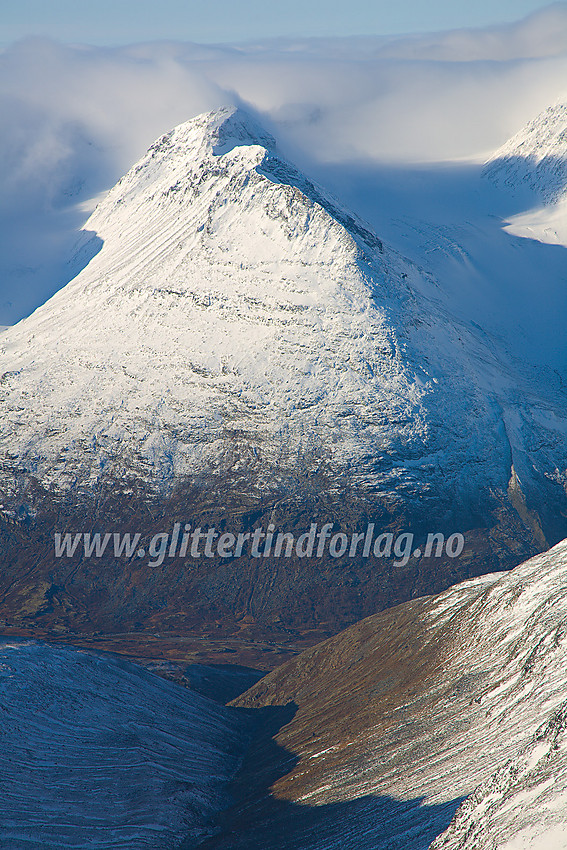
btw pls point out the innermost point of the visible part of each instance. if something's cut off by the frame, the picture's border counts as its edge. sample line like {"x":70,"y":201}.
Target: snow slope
{"x":234,"y":301}
{"x":521,"y":807}
{"x":97,"y":752}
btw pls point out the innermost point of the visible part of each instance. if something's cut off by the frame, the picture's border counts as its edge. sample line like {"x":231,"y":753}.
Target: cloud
{"x":74,"y":118}
{"x":539,"y":35}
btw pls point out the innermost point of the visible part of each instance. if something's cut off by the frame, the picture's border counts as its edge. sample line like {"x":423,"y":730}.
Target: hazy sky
{"x":111,"y":22}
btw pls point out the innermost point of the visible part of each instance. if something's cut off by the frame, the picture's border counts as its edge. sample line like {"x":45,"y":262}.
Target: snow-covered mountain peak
{"x":536,"y":157}
{"x":230,"y":295}
{"x":201,"y":157}
{"x":217,"y":132}
{"x":234,"y":302}
{"x":214,"y":133}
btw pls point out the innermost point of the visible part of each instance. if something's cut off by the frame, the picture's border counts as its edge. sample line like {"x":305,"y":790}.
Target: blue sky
{"x":111,"y":22}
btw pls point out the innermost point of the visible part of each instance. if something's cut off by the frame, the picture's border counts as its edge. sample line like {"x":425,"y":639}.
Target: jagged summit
{"x":213,"y":133}
{"x":234,"y":126}
{"x":536,"y":157}
{"x":217,"y":134}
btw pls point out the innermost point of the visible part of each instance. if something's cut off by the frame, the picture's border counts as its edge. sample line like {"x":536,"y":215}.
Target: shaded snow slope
{"x":96,"y":752}
{"x":533,"y":165}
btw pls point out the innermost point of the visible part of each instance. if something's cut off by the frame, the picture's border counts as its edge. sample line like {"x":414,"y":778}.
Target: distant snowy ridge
{"x":536,"y":157}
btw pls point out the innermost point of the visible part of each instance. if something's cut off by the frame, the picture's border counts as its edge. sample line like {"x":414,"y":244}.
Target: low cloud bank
{"x":74,"y":118}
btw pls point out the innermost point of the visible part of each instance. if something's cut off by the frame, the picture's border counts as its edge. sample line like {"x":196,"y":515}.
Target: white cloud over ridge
{"x":541,"y":34}
{"x":74,"y":118}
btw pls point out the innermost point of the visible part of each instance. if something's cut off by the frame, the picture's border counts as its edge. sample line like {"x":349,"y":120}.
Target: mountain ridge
{"x":536,"y":157}
{"x":458,"y":695}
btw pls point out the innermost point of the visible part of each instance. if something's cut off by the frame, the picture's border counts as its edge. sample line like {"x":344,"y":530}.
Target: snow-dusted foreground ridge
{"x":234,"y":303}
{"x":524,"y":805}
{"x":97,"y":752}
{"x":384,"y":730}
{"x":403,"y":715}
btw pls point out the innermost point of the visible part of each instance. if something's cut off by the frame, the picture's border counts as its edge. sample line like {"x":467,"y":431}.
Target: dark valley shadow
{"x":258,"y":819}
